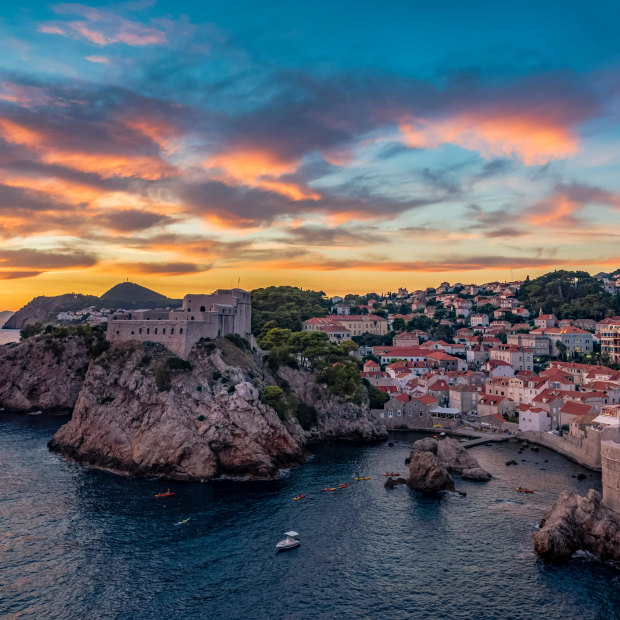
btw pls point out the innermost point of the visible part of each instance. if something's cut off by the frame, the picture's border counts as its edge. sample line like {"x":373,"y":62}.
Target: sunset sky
{"x":342,"y":146}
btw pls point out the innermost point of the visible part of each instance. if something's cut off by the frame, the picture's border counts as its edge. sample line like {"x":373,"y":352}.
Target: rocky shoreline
{"x":141,"y":411}
{"x":575,"y":523}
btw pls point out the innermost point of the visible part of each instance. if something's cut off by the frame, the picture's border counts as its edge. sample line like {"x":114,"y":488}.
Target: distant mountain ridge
{"x":124,"y":295}
{"x":5,"y":315}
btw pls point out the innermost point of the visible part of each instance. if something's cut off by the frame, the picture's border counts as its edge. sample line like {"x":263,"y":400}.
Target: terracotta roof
{"x":573,"y":408}
{"x":405,"y":352}
{"x":427,"y":399}
{"x":403,"y":398}
{"x":441,"y":356}
{"x":439,"y":386}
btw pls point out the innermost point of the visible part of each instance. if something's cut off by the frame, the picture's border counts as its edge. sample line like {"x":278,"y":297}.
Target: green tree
{"x":398,"y":325}
{"x":348,"y":346}
{"x":275,"y":337}
{"x":286,"y":307}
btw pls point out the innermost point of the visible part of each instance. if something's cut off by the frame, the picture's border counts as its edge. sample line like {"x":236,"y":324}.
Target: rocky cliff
{"x":45,"y":372}
{"x":576,"y":523}
{"x":336,"y":420}
{"x":143,"y":411}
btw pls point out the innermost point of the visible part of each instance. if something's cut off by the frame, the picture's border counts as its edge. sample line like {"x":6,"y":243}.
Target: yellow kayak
{"x":362,"y":478}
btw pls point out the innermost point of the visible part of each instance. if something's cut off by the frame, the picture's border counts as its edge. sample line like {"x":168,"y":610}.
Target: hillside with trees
{"x":285,"y":307}
{"x":568,"y":294}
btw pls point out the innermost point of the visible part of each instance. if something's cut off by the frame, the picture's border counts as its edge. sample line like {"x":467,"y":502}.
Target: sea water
{"x":80,"y":543}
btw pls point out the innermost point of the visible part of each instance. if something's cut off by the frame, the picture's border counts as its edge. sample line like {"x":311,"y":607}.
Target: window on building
{"x":181,"y":330}
{"x":390,"y":413}
{"x":398,"y":413}
{"x":171,"y":331}
{"x":140,"y":331}
{"x":156,"y":330}
{"x":148,"y":330}
{"x":192,"y":318}
{"x":117,"y":332}
{"x":163,"y":331}
{"x":202,"y":309}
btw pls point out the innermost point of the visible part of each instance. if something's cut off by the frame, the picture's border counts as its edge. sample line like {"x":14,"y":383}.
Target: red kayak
{"x":520,"y":490}
{"x":330,"y":489}
{"x":391,"y":475}
{"x":343,"y":486}
{"x":298,"y":497}
{"x":168,"y":494}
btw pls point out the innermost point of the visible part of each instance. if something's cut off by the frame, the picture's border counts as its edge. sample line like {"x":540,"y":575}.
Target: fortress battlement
{"x":226,"y":311}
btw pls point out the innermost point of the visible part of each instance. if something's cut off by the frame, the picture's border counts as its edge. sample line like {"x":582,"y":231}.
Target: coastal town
{"x":469,"y":356}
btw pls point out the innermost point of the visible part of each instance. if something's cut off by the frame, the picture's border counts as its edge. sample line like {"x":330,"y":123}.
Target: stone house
{"x":533,"y":418}
{"x":464,"y":397}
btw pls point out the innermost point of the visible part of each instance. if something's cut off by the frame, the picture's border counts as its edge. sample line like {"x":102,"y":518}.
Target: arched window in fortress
{"x":140,"y":331}
{"x":156,"y":330}
{"x":148,"y":330}
{"x":181,"y":331}
{"x":163,"y":331}
{"x":192,"y":318}
{"x":202,"y":309}
{"x":172,"y":331}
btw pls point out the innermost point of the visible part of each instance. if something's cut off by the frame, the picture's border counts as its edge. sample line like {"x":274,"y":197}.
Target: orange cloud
{"x":257,"y":168}
{"x":535,"y":140}
{"x":106,"y":165}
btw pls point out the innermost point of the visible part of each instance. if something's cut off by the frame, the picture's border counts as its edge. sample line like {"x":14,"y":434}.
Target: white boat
{"x":290,"y":542}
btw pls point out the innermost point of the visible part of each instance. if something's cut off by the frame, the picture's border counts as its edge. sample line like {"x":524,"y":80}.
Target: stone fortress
{"x":226,"y":311}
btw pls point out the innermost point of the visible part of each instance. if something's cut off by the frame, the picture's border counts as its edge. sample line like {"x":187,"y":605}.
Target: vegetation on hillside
{"x":312,"y":349}
{"x":568,"y":294}
{"x":285,"y":307}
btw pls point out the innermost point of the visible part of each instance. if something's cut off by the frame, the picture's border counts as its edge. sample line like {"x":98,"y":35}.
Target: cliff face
{"x":144,"y":412}
{"x":336,"y":420}
{"x":43,"y":373}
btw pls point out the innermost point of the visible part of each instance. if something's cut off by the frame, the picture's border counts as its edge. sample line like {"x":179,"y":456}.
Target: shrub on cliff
{"x":306,"y":416}
{"x":273,"y":396}
{"x":165,"y":371}
{"x":30,"y":330}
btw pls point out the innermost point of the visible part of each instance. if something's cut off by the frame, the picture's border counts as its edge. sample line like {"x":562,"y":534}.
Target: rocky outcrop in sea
{"x":143,"y":411}
{"x":576,"y":523}
{"x":431,"y":462}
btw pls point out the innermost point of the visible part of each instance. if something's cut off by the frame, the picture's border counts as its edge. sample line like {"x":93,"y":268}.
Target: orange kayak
{"x":164,"y":494}
{"x":299,"y":497}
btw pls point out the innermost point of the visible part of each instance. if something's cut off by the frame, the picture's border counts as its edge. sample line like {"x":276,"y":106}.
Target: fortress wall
{"x":610,"y":457}
{"x":167,"y":333}
{"x":585,"y":451}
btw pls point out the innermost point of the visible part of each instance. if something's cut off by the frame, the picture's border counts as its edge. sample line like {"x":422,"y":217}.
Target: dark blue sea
{"x":81,"y":543}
